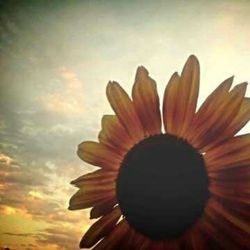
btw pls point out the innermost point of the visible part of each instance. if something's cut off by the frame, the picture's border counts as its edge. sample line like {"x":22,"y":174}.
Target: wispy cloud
{"x":30,"y":194}
{"x":68,"y":98}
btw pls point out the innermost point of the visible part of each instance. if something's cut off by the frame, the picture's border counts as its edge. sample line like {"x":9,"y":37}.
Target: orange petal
{"x":97,"y":177}
{"x":100,"y":228}
{"x":144,"y":244}
{"x":196,"y":240}
{"x":215,"y":98}
{"x":97,"y":187}
{"x":231,"y":175}
{"x":172,"y":244}
{"x":90,"y":197}
{"x":216,"y":239}
{"x":180,"y":99}
{"x":103,"y":209}
{"x":233,"y":145}
{"x":207,"y":108}
{"x":138,"y":241}
{"x":229,"y":194}
{"x":231,"y":227}
{"x":146,"y":101}
{"x":169,"y":104}
{"x":99,"y":155}
{"x":212,"y":129}
{"x":134,"y":241}
{"x":233,"y":153}
{"x":237,"y":222}
{"x":241,"y":118}
{"x":240,"y":210}
{"x":158,"y":245}
{"x":238,"y":122}
{"x":128,"y":242}
{"x":113,"y":240}
{"x":243,"y":187}
{"x":114,"y":135}
{"x":125,"y":110}
{"x":188,"y":94}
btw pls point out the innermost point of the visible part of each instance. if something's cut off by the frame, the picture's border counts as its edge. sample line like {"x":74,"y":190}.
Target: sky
{"x":56,"y":58}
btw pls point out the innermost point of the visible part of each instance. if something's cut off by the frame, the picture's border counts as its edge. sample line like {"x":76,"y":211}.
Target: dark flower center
{"x":162,"y":186}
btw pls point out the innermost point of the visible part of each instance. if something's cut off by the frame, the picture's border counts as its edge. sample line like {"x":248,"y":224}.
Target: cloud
{"x":4,"y":159}
{"x":7,"y":210}
{"x":41,"y":195}
{"x":63,"y":237}
{"x":68,"y":98}
{"x":19,"y":234}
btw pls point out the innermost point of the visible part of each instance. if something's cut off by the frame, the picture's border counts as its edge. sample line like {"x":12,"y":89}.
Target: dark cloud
{"x":23,"y":176}
{"x":29,"y":246}
{"x":63,"y":238}
{"x":19,"y":234}
{"x":41,"y":192}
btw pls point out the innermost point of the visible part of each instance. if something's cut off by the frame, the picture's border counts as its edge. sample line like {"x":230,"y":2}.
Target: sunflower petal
{"x":231,"y":227}
{"x":158,"y":245}
{"x":114,"y":135}
{"x":243,"y":188}
{"x":170,"y":98}
{"x":103,"y":209}
{"x":99,"y":176}
{"x":180,"y":99}
{"x":233,"y":153}
{"x":212,"y":130}
{"x":97,"y":188}
{"x":240,"y":210}
{"x":207,"y":108}
{"x":233,"y":145}
{"x":196,"y":240}
{"x":229,"y":194}
{"x":85,"y":198}
{"x":241,"y":224}
{"x":125,"y":110}
{"x":217,"y":96}
{"x":144,"y":244}
{"x":173,"y":245}
{"x":188,"y":94}
{"x":231,"y":175}
{"x":146,"y":101}
{"x":138,"y":241}
{"x":216,"y":239}
{"x":241,"y":118}
{"x":238,"y":122}
{"x":100,"y":228}
{"x":113,"y":240}
{"x":99,"y":155}
{"x":134,"y":241}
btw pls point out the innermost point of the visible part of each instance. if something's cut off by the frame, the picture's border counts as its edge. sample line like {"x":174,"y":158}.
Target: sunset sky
{"x":56,"y":58}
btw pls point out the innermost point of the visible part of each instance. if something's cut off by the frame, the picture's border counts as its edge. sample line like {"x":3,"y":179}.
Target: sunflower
{"x":187,"y":188}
